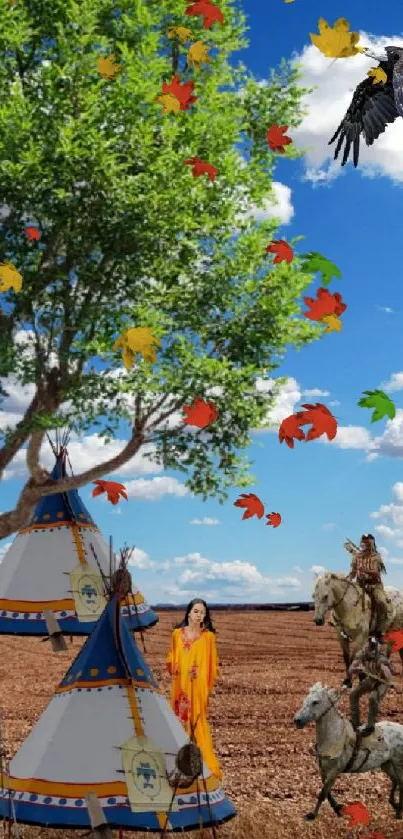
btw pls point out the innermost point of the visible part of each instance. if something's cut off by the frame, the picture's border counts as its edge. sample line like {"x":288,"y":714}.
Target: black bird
{"x":373,"y":106}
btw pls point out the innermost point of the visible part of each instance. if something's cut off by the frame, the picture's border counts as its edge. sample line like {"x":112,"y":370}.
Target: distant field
{"x":268,"y":662}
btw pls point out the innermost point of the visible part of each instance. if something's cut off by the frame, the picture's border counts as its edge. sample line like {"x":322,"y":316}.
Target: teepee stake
{"x":55,"y":634}
{"x":99,"y":825}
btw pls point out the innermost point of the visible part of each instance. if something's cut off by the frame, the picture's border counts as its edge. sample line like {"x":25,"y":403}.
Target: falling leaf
{"x":253,"y":504}
{"x":107,"y":67}
{"x":201,"y":413}
{"x":180,"y":91}
{"x":394,"y":637}
{"x":9,"y":277}
{"x":113,"y":490}
{"x":325,"y":304}
{"x":384,"y":407}
{"x":314,"y":262}
{"x":277,"y":138}
{"x":358,"y":814}
{"x":290,"y":428}
{"x":197,"y":55}
{"x":208,"y":10}
{"x":333,"y":324}
{"x":181,"y":32}
{"x":32,"y":233}
{"x":273,"y":519}
{"x":283,"y":251}
{"x":322,"y":421}
{"x":288,"y":1}
{"x":379,"y":75}
{"x":200,"y":167}
{"x":139,"y":339}
{"x":169,"y":103}
{"x":338,"y":42}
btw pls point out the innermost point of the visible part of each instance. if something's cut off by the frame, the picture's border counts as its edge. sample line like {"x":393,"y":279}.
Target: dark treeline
{"x":242,"y":607}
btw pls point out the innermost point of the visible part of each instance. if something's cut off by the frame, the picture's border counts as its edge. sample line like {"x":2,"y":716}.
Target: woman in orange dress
{"x":192,"y":662}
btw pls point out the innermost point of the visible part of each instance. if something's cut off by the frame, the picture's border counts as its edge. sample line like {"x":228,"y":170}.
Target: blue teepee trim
{"x":61,"y":507}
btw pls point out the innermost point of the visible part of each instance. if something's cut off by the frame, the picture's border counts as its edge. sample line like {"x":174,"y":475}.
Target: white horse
{"x":351,"y":611}
{"x":336,"y":747}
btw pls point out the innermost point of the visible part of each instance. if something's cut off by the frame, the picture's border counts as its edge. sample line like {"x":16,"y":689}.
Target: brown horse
{"x":351,"y":611}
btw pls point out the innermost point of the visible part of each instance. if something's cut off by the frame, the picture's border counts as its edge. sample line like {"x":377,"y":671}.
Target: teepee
{"x":109,"y":734}
{"x":57,"y":565}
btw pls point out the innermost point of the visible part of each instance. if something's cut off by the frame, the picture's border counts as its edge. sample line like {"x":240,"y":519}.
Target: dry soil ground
{"x":268,"y":662}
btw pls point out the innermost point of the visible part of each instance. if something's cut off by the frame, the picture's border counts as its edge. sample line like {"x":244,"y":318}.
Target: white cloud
{"x":279,"y":205}
{"x":330,"y":525}
{"x":318,"y":569}
{"x":153,"y":489}
{"x":3,"y":550}
{"x":390,"y":517}
{"x":315,"y":393}
{"x":394,"y":383}
{"x":386,"y":309}
{"x":235,"y":579}
{"x":335,"y":83}
{"x":351,"y":437}
{"x":206,"y":521}
{"x":298,"y":569}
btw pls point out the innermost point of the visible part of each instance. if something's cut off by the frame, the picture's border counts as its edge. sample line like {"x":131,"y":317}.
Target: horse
{"x":351,"y":612}
{"x":339,"y":752}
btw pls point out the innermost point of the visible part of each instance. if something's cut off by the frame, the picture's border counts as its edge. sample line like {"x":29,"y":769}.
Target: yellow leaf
{"x":333,"y":323}
{"x":338,"y":42}
{"x":182,"y":33}
{"x":379,"y":75}
{"x":197,"y":55}
{"x":107,"y":67}
{"x":169,"y":103}
{"x":139,"y":339}
{"x":9,"y":277}
{"x":288,"y":1}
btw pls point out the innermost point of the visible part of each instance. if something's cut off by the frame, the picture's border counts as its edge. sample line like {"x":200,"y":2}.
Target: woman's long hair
{"x":207,"y":623}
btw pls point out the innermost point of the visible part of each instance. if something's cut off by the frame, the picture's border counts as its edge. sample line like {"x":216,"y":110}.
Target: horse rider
{"x":367,"y":566}
{"x":376,"y":676}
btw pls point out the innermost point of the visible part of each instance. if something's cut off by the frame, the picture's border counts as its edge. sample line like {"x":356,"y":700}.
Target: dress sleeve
{"x":170,"y":659}
{"x":213,"y":662}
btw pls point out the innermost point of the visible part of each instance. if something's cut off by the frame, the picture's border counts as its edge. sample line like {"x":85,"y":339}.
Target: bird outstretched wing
{"x":372,"y":108}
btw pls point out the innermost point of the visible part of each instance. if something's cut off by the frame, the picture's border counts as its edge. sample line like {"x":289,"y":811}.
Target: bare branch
{"x":37,"y":472}
{"x":166,"y":414}
{"x":19,"y":435}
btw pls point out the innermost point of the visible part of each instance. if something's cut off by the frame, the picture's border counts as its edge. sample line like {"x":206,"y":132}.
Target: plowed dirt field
{"x":268,"y":662}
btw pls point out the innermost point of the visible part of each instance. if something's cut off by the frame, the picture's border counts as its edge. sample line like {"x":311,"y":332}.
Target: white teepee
{"x":110,"y":731}
{"x":51,"y":566}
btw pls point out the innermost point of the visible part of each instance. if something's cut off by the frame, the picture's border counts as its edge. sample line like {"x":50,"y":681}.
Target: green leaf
{"x":384,"y":407}
{"x":314,"y":262}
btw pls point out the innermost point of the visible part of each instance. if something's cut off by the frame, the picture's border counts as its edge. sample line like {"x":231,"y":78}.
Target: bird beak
{"x":377,"y":56}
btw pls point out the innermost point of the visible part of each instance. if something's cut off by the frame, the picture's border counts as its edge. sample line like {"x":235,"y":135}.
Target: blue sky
{"x":323,"y":491}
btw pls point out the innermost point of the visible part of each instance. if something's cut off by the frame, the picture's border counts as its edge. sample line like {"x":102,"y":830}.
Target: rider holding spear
{"x":367,"y":566}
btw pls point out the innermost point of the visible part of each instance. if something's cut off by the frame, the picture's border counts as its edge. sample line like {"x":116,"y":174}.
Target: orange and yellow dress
{"x":193,"y":666}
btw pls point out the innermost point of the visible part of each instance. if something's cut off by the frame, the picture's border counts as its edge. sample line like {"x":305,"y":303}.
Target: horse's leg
{"x":400,"y":653}
{"x":390,"y":770}
{"x":332,"y":801}
{"x":324,"y":793}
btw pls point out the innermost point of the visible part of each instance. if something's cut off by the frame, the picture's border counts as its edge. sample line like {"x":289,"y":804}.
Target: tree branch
{"x":37,"y":472}
{"x":19,"y":435}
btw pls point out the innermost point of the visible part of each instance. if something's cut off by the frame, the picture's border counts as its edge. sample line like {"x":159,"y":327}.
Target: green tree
{"x":130,"y":238}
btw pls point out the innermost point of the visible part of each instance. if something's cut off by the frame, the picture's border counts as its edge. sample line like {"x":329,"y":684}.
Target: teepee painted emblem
{"x":109,"y":731}
{"x":57,"y":564}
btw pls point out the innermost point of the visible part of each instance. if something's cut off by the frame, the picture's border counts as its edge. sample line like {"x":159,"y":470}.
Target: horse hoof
{"x":398,"y":816}
{"x":309,"y":817}
{"x":347,"y":683}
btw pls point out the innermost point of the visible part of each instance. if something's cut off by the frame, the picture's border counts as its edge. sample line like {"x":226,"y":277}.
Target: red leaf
{"x":112,"y":488}
{"x":395,"y":636}
{"x":358,"y":814}
{"x":253,"y":504}
{"x":290,"y":428}
{"x":273,"y":519}
{"x":181,"y":91}
{"x":277,"y":139}
{"x":201,"y":413}
{"x":322,"y":421}
{"x":208,"y":10}
{"x":200,"y":167}
{"x":283,"y":251}
{"x":325,"y":304}
{"x":32,"y":233}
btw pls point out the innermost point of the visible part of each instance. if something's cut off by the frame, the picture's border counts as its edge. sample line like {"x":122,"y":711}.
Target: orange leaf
{"x":208,"y":10}
{"x":200,"y":167}
{"x":395,"y":636}
{"x":358,"y":814}
{"x":201,"y":413}
{"x":283,"y":251}
{"x":273,"y":519}
{"x":325,"y":304}
{"x":32,"y":233}
{"x":290,"y":428}
{"x":277,"y":138}
{"x":181,"y":91}
{"x":112,"y":488}
{"x":253,"y":504}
